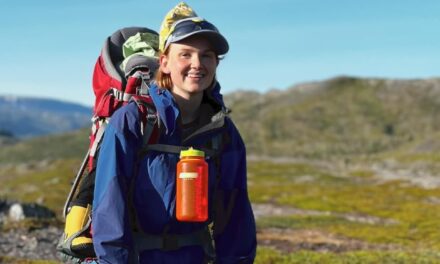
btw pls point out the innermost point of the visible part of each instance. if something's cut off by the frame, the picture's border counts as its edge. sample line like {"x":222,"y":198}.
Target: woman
{"x":134,"y":204}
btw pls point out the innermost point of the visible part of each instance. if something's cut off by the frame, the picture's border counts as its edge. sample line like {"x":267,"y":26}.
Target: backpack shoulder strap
{"x":150,"y":133}
{"x":149,"y":119}
{"x":222,"y":209}
{"x":98,"y":137}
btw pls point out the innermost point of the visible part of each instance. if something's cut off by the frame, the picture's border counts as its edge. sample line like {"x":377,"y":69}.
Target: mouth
{"x":195,"y":75}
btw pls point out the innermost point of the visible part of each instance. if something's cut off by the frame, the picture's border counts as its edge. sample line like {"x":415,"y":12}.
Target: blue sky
{"x":48,"y":48}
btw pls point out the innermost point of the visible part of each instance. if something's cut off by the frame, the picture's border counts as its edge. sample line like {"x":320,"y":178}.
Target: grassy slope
{"x":62,"y":146}
{"x":410,"y":210}
{"x":30,"y":168}
{"x":50,"y":185}
{"x":25,"y":261}
{"x":408,"y":232}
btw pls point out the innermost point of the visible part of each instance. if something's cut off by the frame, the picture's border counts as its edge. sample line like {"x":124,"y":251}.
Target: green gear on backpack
{"x":145,"y":44}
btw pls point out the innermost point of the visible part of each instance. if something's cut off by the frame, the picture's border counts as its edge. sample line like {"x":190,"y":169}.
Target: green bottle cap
{"x":191,"y":152}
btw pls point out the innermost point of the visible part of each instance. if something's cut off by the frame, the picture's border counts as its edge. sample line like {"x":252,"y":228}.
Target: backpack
{"x":113,"y":88}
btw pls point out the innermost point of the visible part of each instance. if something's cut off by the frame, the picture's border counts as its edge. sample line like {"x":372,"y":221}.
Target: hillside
{"x":71,"y":145}
{"x":25,"y":117}
{"x":340,"y":117}
{"x":30,"y":167}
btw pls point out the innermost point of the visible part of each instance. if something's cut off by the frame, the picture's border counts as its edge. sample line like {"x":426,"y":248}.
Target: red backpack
{"x":114,"y":88}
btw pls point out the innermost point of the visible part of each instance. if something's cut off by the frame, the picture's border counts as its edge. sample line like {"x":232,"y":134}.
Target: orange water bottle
{"x":192,"y":186}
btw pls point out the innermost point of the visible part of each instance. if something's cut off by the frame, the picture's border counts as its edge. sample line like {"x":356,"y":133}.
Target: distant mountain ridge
{"x":25,"y":117}
{"x":342,"y":116}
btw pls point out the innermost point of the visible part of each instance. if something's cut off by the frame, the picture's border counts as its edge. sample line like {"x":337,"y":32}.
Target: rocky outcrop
{"x":14,"y":211}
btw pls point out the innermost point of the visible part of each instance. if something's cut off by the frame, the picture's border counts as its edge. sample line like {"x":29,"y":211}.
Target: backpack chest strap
{"x":169,"y":242}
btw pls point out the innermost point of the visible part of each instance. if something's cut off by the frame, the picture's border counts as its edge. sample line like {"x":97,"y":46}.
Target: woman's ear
{"x":163,"y":61}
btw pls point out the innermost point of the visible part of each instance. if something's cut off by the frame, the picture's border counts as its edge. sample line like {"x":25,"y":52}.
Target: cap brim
{"x":218,"y":42}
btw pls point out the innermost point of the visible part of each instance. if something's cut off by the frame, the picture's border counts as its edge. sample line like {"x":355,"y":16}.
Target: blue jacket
{"x":154,"y":191}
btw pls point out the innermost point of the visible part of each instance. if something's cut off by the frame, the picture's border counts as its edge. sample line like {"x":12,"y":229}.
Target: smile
{"x":195,"y":75}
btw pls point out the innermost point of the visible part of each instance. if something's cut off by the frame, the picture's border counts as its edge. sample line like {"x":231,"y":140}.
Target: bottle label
{"x":188,"y":175}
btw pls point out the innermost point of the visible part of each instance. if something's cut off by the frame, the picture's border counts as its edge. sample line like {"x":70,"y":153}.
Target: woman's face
{"x":191,"y":64}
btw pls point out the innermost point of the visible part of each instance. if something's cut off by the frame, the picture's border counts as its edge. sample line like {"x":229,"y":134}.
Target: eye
{"x":209,"y":55}
{"x":185,"y":55}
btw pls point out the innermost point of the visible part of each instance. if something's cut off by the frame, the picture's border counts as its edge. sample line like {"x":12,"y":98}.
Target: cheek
{"x":211,"y":64}
{"x":178,"y":66}
{"x":212,"y":67}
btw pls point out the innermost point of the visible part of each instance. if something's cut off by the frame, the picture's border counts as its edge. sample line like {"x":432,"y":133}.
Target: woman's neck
{"x":189,"y":106}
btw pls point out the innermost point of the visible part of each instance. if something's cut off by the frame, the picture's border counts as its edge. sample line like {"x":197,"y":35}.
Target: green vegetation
{"x":358,"y":208}
{"x":269,"y":256}
{"x":62,"y":146}
{"x":340,"y":118}
{"x":32,"y":186}
{"x":25,"y":261}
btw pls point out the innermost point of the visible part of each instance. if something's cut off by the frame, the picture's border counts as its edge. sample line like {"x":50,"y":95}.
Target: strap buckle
{"x":151,"y":115}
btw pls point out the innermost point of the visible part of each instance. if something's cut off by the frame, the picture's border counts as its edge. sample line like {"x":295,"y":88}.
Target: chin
{"x":198,"y":89}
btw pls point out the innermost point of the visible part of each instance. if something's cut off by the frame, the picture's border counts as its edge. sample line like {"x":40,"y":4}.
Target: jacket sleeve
{"x":237,"y":242}
{"x":110,"y":220}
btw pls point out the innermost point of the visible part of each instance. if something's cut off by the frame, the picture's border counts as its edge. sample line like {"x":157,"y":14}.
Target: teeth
{"x":193,"y":75}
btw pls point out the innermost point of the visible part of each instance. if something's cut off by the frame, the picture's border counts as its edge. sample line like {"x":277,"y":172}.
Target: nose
{"x":196,"y":62}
